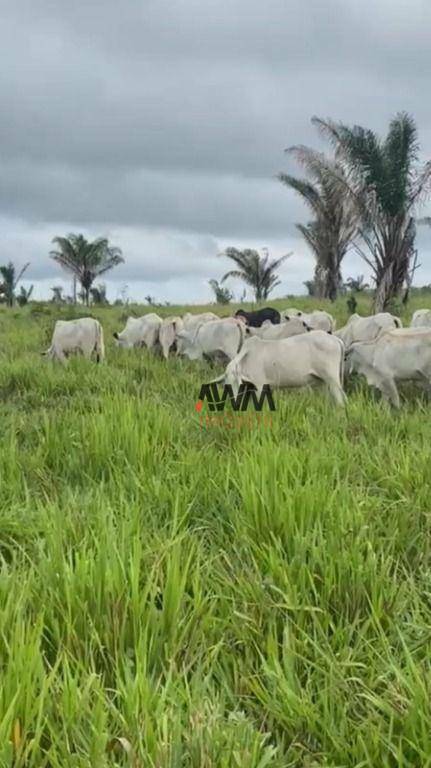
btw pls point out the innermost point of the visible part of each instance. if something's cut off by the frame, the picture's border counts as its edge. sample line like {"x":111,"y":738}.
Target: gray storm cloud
{"x":164,"y":123}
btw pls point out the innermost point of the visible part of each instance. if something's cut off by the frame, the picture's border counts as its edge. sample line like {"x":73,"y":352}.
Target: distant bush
{"x":41,"y":309}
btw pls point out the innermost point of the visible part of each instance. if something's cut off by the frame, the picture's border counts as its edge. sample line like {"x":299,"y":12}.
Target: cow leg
{"x":389,"y":391}
{"x":87,"y":351}
{"x":337,"y":392}
{"x":425,"y":382}
{"x":59,"y":354}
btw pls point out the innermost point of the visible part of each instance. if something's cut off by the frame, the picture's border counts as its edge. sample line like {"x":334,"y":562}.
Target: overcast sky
{"x":161,"y":124}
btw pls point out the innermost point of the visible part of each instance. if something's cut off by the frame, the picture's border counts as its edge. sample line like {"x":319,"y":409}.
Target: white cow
{"x":306,"y":359}
{"x":140,"y":331}
{"x":403,"y":354}
{"x":318,"y":320}
{"x":210,"y":339}
{"x":290,"y":312}
{"x":367,"y":328}
{"x":192,"y":321}
{"x":84,"y":335}
{"x":168,"y":331}
{"x":421,"y":318}
{"x":272,"y":332}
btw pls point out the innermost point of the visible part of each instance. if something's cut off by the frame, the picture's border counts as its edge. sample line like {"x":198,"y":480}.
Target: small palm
{"x":86,"y":260}
{"x":257,"y":271}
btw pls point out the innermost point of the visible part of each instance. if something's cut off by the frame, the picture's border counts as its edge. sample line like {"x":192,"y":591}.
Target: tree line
{"x":364,"y":195}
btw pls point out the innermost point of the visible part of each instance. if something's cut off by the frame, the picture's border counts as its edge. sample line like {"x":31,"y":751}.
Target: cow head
{"x":187,"y":346}
{"x":122,"y":340}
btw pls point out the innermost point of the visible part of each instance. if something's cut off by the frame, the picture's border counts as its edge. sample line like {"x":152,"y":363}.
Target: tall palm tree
{"x":334,"y":225}
{"x":10,"y":281}
{"x":86,"y":260}
{"x":387,"y":184}
{"x":257,"y":271}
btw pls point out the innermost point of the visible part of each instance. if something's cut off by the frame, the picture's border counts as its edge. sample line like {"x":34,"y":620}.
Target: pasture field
{"x":214,"y":597}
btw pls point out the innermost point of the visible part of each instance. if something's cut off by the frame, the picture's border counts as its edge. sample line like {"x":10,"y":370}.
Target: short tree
{"x":98,"y":294}
{"x":10,"y":281}
{"x":57,"y":294}
{"x":222,"y":295}
{"x":24,"y":295}
{"x":257,"y":271}
{"x":86,"y":260}
{"x":356,"y":284}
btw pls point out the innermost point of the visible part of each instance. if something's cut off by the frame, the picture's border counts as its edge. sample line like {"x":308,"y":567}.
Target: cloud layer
{"x":162,"y":124}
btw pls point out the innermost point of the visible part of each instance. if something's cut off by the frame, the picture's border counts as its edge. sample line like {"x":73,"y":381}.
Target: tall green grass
{"x":185,"y":597}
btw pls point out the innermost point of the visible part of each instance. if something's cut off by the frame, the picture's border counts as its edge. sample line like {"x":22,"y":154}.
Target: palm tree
{"x":98,"y":294}
{"x":334,"y":225}
{"x":10,"y":281}
{"x":387,"y":184}
{"x":24,"y":295}
{"x":57,"y":294}
{"x":356,"y":284}
{"x":257,"y":271}
{"x":310,"y":286}
{"x":86,"y":260}
{"x":222,"y":295}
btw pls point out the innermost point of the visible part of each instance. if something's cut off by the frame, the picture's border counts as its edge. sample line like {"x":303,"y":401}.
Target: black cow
{"x":255,"y":319}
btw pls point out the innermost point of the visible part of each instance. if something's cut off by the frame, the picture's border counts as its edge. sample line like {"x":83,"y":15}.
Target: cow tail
{"x":242,"y":335}
{"x":342,"y":362}
{"x":100,"y":343}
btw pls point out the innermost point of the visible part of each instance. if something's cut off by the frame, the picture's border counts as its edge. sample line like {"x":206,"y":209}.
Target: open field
{"x":217,"y":597}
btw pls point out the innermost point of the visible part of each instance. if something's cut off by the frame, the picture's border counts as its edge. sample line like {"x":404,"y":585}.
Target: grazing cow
{"x":168,"y":331}
{"x":84,"y":335}
{"x":306,"y":359}
{"x":318,"y":320}
{"x":271,"y":332}
{"x":140,"y":332}
{"x":421,"y":318}
{"x":403,"y":354}
{"x":211,"y":339}
{"x":255,"y":319}
{"x":290,"y":312}
{"x":192,"y":321}
{"x":366,"y":328}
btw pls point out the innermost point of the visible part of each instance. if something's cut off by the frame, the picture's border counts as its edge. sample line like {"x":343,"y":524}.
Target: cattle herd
{"x":289,"y":349}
